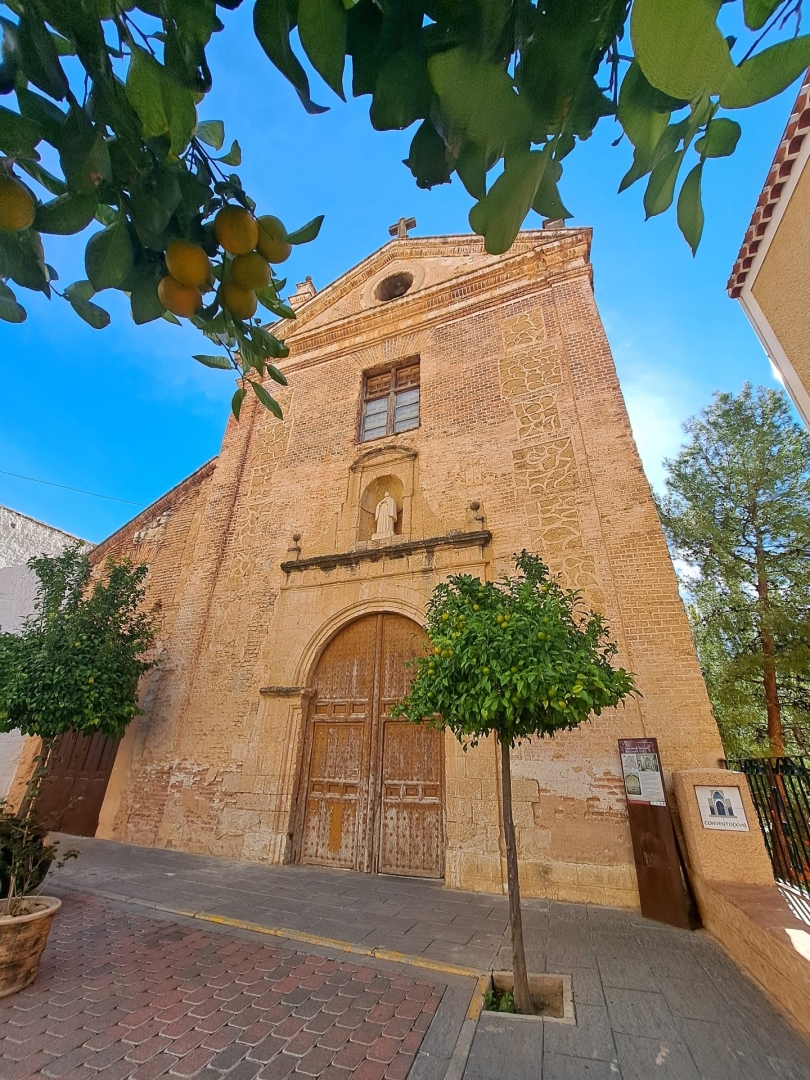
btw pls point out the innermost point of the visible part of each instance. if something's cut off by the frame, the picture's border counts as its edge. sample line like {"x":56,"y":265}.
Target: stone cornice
{"x":479,"y":538}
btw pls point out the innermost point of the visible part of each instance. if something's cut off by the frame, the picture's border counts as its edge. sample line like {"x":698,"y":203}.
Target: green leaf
{"x":269,"y":345}
{"x":757,"y":12}
{"x":109,"y":256}
{"x":428,"y":158}
{"x":40,"y":60}
{"x":690,"y":208}
{"x":679,"y":46}
{"x":720,"y":139}
{"x":78,"y":294}
{"x":767,"y":74}
{"x":10,"y":310}
{"x":167,"y":315}
{"x":547,"y":201}
{"x":269,"y":402}
{"x":23,"y":260}
{"x":307,"y":232}
{"x":480,"y":98}
{"x":643,"y":111}
{"x":472,"y":166}
{"x":322,"y":30}
{"x":272,"y":26}
{"x":234,"y":155}
{"x":44,"y":113}
{"x":66,"y":214}
{"x":222,"y":362}
{"x":211,"y":132}
{"x":18,"y":134}
{"x":163,"y":107}
{"x":83,"y":154}
{"x":236,"y":401}
{"x":661,"y":185}
{"x":402,"y":93}
{"x":499,"y":215}
{"x":144,"y":302}
{"x":42,"y":176}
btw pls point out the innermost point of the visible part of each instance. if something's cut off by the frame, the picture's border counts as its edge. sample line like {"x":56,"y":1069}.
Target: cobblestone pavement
{"x":650,"y":1001}
{"x":122,"y":995}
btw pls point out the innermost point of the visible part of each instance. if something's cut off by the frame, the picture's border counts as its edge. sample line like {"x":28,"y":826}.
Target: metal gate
{"x":372,"y":791}
{"x":780,"y":789}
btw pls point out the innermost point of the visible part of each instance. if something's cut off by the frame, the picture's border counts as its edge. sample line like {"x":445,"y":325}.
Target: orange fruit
{"x":251,"y":271}
{"x":240,"y":302}
{"x":187,"y":263}
{"x":236,"y":230}
{"x":17,"y":206}
{"x":182,"y":300}
{"x":273,"y":239}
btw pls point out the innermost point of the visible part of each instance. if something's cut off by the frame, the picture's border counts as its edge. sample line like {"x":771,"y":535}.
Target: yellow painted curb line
{"x":333,"y":943}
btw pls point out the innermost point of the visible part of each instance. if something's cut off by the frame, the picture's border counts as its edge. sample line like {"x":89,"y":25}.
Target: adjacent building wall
{"x":21,"y":537}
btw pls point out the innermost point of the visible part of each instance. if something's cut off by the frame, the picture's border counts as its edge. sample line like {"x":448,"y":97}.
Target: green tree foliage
{"x":737,"y":516}
{"x":103,"y":123}
{"x":75,"y":665}
{"x":518,"y":659}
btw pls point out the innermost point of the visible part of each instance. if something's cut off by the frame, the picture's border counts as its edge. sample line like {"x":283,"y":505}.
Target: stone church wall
{"x":523,"y":434}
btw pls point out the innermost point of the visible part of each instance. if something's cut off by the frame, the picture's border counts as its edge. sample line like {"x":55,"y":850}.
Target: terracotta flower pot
{"x":22,"y":942}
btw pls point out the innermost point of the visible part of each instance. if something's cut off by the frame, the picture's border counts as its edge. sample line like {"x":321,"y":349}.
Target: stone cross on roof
{"x":400,"y":230}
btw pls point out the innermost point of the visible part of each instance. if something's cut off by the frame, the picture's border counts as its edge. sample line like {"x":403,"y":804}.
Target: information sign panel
{"x":641,"y":769}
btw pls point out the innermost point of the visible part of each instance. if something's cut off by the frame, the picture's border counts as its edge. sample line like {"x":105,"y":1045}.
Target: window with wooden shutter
{"x":390,"y":400}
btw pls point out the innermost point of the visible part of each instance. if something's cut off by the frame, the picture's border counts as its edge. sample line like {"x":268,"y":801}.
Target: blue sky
{"x":126,"y":412}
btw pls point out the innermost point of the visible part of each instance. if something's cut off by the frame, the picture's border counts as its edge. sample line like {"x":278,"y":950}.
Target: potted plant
{"x":74,"y":666}
{"x":25,"y":915}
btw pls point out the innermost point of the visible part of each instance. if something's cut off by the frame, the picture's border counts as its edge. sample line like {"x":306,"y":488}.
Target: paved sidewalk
{"x":122,"y":995}
{"x":650,"y":1001}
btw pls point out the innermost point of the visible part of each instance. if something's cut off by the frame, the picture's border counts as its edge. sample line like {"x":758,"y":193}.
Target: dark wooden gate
{"x":73,"y":791}
{"x":373,"y":789}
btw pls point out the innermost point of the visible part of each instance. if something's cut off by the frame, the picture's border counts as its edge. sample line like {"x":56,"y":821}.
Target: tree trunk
{"x":42,"y":769}
{"x":773,"y":709}
{"x":523,"y":999}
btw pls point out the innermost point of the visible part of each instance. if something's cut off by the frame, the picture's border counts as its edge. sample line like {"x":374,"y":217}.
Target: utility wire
{"x":64,"y":487}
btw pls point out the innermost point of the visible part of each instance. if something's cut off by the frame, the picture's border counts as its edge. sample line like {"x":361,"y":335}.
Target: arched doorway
{"x":372,"y":787}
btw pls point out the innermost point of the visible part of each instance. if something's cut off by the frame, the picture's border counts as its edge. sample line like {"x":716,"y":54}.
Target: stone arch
{"x":331,"y":627}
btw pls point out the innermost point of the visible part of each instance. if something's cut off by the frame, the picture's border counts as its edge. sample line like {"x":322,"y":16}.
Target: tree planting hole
{"x":551,"y":995}
{"x":395,"y":285}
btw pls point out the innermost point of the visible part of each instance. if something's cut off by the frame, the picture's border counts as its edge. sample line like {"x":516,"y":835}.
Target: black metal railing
{"x":780,"y":789}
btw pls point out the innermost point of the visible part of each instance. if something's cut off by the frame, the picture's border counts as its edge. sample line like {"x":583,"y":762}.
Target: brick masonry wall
{"x":521,"y":412}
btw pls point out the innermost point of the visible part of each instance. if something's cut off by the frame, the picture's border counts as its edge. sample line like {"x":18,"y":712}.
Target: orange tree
{"x":519,"y":659}
{"x":100,"y":123}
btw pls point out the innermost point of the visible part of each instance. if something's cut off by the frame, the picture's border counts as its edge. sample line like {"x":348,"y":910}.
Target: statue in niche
{"x":385,"y":514}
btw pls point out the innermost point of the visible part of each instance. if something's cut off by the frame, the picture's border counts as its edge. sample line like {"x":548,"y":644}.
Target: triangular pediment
{"x":413,"y":265}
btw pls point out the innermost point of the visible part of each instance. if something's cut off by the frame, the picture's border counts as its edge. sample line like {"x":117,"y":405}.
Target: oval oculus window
{"x":395,"y":285}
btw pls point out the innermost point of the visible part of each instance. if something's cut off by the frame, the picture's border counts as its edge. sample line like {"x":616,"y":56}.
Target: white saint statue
{"x":385,"y":514}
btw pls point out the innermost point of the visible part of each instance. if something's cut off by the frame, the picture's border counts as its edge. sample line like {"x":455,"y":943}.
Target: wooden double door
{"x":372,"y":796}
{"x":73,"y":791}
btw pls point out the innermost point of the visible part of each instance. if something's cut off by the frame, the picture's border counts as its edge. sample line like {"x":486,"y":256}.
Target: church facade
{"x":445,"y":409}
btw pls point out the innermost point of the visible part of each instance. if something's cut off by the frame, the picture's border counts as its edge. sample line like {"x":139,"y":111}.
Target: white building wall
{"x":20,"y":538}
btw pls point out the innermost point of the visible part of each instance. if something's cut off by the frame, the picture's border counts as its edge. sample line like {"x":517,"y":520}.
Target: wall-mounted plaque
{"x":641,"y":769}
{"x":722,"y":808}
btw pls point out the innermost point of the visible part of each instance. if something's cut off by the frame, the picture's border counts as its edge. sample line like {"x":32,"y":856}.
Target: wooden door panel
{"x":74,"y":790}
{"x":411,"y":832}
{"x":374,"y":786}
{"x":333,"y":794}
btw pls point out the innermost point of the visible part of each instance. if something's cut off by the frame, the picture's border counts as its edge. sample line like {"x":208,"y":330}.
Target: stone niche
{"x":384,"y":468}
{"x":373,"y":493}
